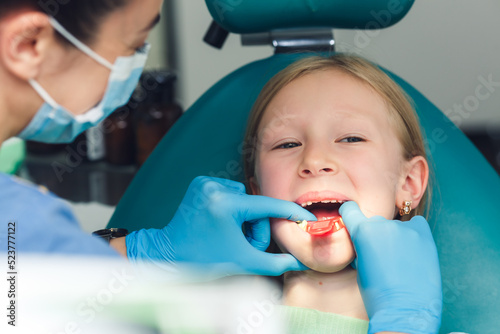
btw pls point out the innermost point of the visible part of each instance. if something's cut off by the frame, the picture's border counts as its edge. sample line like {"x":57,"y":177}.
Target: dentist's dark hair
{"x":80,"y":17}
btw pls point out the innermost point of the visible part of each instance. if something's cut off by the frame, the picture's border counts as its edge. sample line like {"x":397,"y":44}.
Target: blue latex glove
{"x":206,"y":232}
{"x":398,"y":272}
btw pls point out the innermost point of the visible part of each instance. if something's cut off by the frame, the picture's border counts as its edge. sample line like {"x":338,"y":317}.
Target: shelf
{"x":78,"y":181}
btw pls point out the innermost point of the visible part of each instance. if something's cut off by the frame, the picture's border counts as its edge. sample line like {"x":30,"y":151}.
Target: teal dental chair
{"x":207,"y":141}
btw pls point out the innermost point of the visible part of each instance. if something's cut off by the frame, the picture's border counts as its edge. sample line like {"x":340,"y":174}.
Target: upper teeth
{"x":326,"y":201}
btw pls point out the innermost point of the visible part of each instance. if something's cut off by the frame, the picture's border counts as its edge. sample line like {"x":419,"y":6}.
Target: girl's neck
{"x":335,"y":292}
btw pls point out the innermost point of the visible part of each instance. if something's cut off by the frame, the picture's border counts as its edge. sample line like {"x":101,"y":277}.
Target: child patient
{"x":322,"y":132}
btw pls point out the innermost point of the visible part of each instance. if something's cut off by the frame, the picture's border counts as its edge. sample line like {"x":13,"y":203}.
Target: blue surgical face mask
{"x":54,"y":124}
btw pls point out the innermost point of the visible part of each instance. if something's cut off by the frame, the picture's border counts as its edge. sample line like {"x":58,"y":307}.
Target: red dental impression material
{"x":322,"y":227}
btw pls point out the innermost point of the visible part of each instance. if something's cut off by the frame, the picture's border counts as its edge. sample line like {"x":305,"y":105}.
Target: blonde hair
{"x":401,"y":112}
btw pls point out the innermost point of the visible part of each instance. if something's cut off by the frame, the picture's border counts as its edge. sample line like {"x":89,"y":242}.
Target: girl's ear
{"x":414,"y":182}
{"x":254,"y":186}
{"x":24,"y":38}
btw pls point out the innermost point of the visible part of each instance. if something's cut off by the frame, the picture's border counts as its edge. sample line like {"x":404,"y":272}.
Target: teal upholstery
{"x":465,"y":210}
{"x":244,"y":16}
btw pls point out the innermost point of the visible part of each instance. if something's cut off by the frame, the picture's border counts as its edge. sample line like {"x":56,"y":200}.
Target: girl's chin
{"x":327,"y":258}
{"x":328,"y":268}
{"x":328,"y":253}
{"x":330,"y":256}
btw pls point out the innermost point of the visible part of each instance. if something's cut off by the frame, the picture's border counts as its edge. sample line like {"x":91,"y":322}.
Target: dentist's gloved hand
{"x":206,"y":232}
{"x":398,"y":272}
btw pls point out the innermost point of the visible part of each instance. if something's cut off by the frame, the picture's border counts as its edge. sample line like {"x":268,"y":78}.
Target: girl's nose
{"x":316,"y":163}
{"x":316,"y":171}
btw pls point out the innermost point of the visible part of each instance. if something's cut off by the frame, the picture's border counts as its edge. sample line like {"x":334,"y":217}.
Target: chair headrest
{"x":254,"y":16}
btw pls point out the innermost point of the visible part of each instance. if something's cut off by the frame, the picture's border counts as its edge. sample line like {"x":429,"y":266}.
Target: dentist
{"x":64,"y":67}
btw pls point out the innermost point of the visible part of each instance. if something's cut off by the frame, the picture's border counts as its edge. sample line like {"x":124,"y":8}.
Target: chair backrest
{"x":466,"y":190}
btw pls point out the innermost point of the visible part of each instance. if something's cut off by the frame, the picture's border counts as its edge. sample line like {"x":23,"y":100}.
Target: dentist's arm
{"x":119,"y":245}
{"x":206,"y":232}
{"x":398,"y":272}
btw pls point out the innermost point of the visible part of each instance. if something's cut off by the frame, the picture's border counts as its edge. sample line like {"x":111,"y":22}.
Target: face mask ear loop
{"x":43,"y":94}
{"x":84,"y":48}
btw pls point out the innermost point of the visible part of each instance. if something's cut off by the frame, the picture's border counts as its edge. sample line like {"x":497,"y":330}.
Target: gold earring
{"x":405,"y":208}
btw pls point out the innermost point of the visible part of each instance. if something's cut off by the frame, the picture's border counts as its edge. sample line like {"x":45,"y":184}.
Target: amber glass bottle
{"x":120,"y":136}
{"x":158,"y":112}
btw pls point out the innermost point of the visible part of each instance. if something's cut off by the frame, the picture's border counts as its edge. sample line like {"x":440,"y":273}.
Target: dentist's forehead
{"x":130,"y":25}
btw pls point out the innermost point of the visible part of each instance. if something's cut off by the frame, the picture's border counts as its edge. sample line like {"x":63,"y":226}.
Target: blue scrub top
{"x":44,"y":223}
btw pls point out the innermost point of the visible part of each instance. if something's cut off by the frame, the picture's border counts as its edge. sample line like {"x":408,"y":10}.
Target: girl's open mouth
{"x":329,"y":220}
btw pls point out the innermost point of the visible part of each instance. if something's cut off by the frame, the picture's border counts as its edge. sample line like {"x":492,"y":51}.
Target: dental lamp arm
{"x":398,"y":272}
{"x":206,"y":232}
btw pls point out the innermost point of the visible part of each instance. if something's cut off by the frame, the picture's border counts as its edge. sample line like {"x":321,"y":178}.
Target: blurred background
{"x":446,"y":49}
{"x":440,"y":47}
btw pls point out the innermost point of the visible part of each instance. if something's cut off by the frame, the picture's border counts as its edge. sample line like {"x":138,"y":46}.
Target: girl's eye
{"x":287,"y":145}
{"x":352,"y":140}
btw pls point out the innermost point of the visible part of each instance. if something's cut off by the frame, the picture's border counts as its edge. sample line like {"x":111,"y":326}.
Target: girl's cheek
{"x":280,"y":231}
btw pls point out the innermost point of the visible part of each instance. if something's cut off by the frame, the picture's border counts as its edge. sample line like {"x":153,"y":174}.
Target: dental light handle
{"x":206,"y":233}
{"x":398,"y":272}
{"x":216,"y":36}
